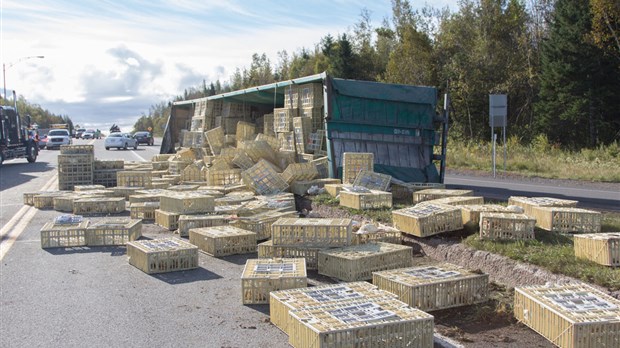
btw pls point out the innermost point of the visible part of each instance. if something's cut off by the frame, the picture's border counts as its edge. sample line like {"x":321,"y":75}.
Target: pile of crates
{"x":75,"y":166}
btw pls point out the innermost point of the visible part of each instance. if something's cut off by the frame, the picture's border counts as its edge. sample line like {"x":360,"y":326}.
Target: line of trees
{"x":42,"y":117}
{"x":557,"y":60}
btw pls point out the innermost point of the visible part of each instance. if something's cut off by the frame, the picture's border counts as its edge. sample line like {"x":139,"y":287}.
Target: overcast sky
{"x":109,"y":61}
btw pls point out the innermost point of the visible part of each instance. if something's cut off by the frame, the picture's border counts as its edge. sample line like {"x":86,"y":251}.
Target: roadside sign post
{"x":498,"y":111}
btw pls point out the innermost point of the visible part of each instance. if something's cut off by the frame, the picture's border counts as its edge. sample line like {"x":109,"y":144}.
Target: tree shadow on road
{"x":15,"y":173}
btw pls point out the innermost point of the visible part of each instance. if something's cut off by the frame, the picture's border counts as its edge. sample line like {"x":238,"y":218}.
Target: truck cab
{"x":15,"y":141}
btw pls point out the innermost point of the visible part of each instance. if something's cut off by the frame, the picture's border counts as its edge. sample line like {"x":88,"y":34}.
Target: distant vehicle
{"x":15,"y":140}
{"x":115,"y":129}
{"x":57,"y":137}
{"x":89,"y":134}
{"x":42,"y":141}
{"x":79,"y":132}
{"x":120,"y":141}
{"x":144,"y":138}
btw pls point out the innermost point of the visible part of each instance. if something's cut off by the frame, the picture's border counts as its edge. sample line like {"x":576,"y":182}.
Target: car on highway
{"x":89,"y":134}
{"x":57,"y":137}
{"x":120,"y":141}
{"x":79,"y":132}
{"x":144,"y":138}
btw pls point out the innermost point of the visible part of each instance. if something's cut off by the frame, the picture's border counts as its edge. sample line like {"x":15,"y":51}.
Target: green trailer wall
{"x":394,"y":122}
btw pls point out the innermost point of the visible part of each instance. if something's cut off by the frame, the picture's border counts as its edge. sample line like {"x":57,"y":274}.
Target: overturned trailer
{"x":400,"y":124}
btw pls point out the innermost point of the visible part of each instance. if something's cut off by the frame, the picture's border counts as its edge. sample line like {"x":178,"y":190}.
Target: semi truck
{"x":15,"y":139}
{"x":404,"y":126}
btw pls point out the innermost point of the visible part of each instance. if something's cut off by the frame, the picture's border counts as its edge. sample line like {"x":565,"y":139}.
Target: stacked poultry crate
{"x":75,"y":166}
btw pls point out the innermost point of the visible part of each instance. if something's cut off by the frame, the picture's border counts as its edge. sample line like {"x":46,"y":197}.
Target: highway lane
{"x":589,"y":195}
{"x":92,"y":297}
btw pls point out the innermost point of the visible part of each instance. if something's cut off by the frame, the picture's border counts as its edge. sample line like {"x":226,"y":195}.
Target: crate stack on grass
{"x":567,"y":219}
{"x":424,"y":220}
{"x":173,"y":205}
{"x":471,"y":213}
{"x":436,"y":193}
{"x":403,"y":191}
{"x":435,"y":286}
{"x":570,"y":316}
{"x":75,"y":166}
{"x":528,"y":203}
{"x":602,"y":248}
{"x":506,"y":226}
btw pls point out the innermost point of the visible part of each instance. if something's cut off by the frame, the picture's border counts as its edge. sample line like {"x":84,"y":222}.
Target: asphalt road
{"x":92,"y":297}
{"x":589,"y":196}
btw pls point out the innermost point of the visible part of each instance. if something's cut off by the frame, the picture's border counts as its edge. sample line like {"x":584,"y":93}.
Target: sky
{"x":109,"y":61}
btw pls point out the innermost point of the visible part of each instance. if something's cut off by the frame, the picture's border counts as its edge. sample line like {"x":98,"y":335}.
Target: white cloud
{"x":109,"y":61}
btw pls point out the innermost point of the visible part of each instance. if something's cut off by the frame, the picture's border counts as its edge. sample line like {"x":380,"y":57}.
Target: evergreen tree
{"x":578,"y":106}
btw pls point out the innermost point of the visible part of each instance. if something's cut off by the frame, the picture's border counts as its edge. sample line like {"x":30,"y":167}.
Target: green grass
{"x":555,"y":252}
{"x":540,"y":158}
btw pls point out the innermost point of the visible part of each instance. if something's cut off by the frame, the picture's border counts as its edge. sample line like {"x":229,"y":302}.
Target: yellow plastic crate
{"x":162,"y":255}
{"x":434,"y":287}
{"x":425,"y":220}
{"x":434,"y":193}
{"x":223,"y":240}
{"x":570,"y":316}
{"x":363,"y":323}
{"x":567,"y":219}
{"x":113,"y":231}
{"x":353,"y":163}
{"x":527,"y":203}
{"x":498,"y":226}
{"x":357,"y":262}
{"x":311,"y":232}
{"x":602,"y":248}
{"x":187,"y":222}
{"x":262,"y":276}
{"x":64,"y":232}
{"x":283,"y":301}
{"x":365,"y":200}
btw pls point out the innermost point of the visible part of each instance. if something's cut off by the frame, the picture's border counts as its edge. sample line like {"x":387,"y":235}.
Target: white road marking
{"x":14,"y":228}
{"x":140,"y":157}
